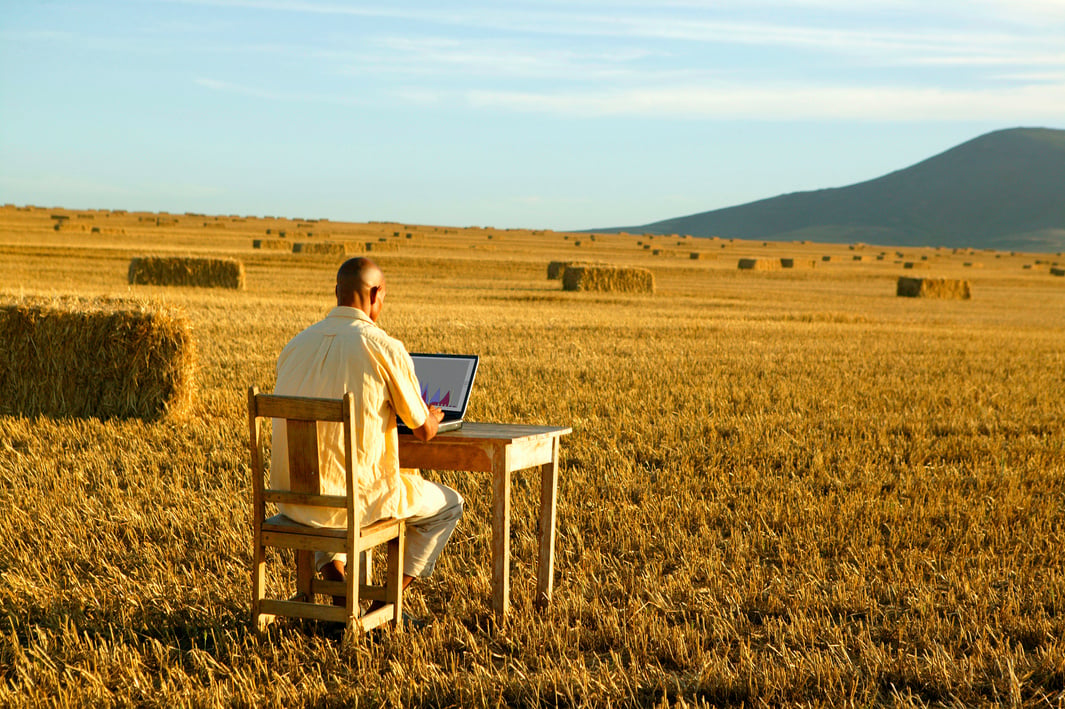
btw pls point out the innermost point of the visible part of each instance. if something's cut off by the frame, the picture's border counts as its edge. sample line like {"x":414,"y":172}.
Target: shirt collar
{"x":344,"y":311}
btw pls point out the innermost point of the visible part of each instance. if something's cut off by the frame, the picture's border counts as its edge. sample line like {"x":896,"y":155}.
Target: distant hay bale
{"x":67,"y":225}
{"x":933,"y":288}
{"x":973,"y":264}
{"x":381,"y":246}
{"x":94,"y":358}
{"x":187,"y":271}
{"x":759,"y":264}
{"x":608,"y":279}
{"x":702,"y":256}
{"x":826,"y":258}
{"x":912,"y":264}
{"x":271,"y":244}
{"x":327,"y":248}
{"x":857,"y":257}
{"x":797,"y":263}
{"x":1057,"y":272}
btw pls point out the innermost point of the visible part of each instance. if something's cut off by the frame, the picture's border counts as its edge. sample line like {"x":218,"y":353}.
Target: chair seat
{"x":371,"y":534}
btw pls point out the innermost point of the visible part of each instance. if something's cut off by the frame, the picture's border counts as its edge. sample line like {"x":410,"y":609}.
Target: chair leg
{"x":394,"y":582}
{"x":351,"y":604}
{"x":366,"y":567}
{"x":304,"y":574}
{"x":258,"y":590}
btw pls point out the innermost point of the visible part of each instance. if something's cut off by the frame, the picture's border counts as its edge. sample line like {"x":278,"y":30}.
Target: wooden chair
{"x":302,"y":416}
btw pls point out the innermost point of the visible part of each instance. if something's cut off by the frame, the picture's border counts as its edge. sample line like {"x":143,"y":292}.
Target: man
{"x":347,"y":351}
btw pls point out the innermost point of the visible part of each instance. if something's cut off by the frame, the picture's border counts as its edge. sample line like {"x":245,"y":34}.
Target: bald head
{"x":361,"y":284}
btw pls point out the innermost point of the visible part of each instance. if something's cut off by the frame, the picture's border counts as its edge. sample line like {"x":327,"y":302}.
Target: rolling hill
{"x":1002,"y":190}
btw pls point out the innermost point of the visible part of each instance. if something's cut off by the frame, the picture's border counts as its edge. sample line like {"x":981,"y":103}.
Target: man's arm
{"x":428,"y":429}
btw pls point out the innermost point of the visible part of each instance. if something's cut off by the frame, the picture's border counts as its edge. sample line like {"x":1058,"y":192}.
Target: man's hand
{"x":427,"y":430}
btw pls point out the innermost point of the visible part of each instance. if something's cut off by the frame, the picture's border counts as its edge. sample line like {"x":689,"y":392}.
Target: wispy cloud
{"x":790,"y":102}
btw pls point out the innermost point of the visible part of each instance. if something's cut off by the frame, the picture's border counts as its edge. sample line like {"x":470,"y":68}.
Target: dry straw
{"x":608,"y":279}
{"x":187,"y":271}
{"x":84,"y":358}
{"x":327,"y":248}
{"x":759,"y":264}
{"x":933,"y":288}
{"x":272,"y":244}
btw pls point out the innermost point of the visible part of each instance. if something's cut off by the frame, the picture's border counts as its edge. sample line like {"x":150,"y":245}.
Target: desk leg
{"x":501,"y":539}
{"x":548,"y":496}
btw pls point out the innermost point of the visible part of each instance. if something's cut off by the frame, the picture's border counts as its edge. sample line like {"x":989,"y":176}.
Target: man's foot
{"x":412,"y":623}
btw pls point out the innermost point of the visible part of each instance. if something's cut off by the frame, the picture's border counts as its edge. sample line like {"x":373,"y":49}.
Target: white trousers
{"x":428,"y":529}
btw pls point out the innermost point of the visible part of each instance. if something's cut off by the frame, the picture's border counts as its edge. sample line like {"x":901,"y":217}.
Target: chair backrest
{"x":301,"y":416}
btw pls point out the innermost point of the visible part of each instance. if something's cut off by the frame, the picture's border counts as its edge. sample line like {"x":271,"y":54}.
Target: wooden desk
{"x":500,"y":449}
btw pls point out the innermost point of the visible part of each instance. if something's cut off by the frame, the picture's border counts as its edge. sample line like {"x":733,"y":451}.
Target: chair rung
{"x":299,"y":609}
{"x":381,"y":615}
{"x":339,"y":588}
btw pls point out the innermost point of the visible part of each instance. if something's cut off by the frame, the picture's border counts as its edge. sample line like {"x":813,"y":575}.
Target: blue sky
{"x":576,"y":114}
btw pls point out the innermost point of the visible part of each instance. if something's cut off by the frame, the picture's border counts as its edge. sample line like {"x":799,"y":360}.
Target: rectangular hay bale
{"x":798,"y":263}
{"x":83,"y":358}
{"x":608,"y":279}
{"x":272,"y":244}
{"x":950,"y":288}
{"x":759,"y":264}
{"x":1057,"y":271}
{"x":187,"y":271}
{"x":327,"y":248}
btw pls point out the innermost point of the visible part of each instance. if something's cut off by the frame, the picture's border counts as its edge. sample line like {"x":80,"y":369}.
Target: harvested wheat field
{"x":799,"y":490}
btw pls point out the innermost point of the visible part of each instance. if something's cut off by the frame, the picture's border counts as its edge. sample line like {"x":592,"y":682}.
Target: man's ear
{"x":373,"y":294}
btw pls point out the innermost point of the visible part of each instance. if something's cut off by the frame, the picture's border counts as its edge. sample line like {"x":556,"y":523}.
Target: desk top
{"x":476,"y":432}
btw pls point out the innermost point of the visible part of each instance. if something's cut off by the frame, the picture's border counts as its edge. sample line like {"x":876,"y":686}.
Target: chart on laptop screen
{"x":444,"y":381}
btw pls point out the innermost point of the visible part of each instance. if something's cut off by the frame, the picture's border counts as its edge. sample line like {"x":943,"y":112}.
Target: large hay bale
{"x":94,"y":358}
{"x":798,"y":263}
{"x":759,"y":264}
{"x":608,"y":279}
{"x":272,"y":244}
{"x":187,"y":271}
{"x":327,"y":248}
{"x":933,"y":288}
{"x":1057,"y":272}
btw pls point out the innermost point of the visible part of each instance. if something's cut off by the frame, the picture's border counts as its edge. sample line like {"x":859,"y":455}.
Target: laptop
{"x":446,"y":380}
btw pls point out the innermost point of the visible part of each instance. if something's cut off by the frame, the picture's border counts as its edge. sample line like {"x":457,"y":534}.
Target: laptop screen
{"x":446,"y":380}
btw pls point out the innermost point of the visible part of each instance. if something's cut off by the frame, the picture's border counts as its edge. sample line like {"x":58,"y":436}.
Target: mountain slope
{"x":1005,"y":189}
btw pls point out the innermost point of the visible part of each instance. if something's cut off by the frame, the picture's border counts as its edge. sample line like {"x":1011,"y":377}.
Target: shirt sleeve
{"x":404,"y":390}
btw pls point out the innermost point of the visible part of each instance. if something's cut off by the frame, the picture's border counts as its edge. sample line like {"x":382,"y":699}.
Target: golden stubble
{"x":787,"y":487}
